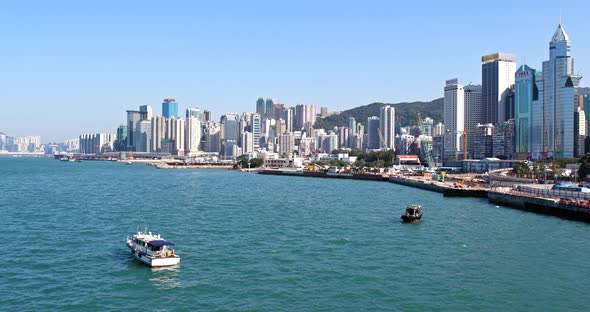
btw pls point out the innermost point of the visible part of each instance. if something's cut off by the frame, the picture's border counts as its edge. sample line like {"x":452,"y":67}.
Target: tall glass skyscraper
{"x":169,"y":108}
{"x":133,"y":117}
{"x":560,"y":88}
{"x":526,"y":93}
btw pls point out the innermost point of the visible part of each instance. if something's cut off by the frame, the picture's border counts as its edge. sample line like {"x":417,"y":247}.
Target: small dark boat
{"x":413,"y":214}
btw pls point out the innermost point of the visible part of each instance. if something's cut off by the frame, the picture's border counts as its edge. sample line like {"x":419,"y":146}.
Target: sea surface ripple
{"x":250,"y":242}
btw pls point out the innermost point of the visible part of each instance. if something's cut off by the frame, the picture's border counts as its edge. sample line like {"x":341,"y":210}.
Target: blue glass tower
{"x":525,"y":94}
{"x":169,"y":108}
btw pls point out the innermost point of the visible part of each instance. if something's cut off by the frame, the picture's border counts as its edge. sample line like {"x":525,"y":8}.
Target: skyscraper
{"x":497,"y":75}
{"x":192,"y":135}
{"x":372,"y":133}
{"x":121,"y":142}
{"x":260,"y":107}
{"x":286,"y":144}
{"x":132,"y":118}
{"x":352,"y":125}
{"x":208,"y":115}
{"x":145,"y":112}
{"x":560,"y":88}
{"x":299,"y":117}
{"x":194,"y":112}
{"x":279,"y":111}
{"x":586,"y":104}
{"x":269,"y":110}
{"x":158,"y":125}
{"x":229,"y":134}
{"x":454,"y":118}
{"x":473,"y":113}
{"x":247,"y":142}
{"x":580,"y":131}
{"x":387,"y":126}
{"x":343,"y":137}
{"x":310,"y":115}
{"x":170,"y":108}
{"x":178,"y":135}
{"x":289,"y":115}
{"x":352,"y":138}
{"x":526,"y":92}
{"x":143,"y":136}
{"x":256,"y":133}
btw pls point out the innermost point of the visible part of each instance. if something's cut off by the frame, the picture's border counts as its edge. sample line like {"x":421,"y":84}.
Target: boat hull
{"x":410,"y":219}
{"x":155,"y":262}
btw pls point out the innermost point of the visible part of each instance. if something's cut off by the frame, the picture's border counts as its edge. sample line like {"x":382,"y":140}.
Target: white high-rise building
{"x":96,"y":143}
{"x":286,"y":144}
{"x":387,"y":126}
{"x":289,"y":115}
{"x":454,"y":118}
{"x":255,"y":125}
{"x":439,"y":129}
{"x":247,"y":142}
{"x":193,"y":135}
{"x":175,"y":135}
{"x":157,"y":134}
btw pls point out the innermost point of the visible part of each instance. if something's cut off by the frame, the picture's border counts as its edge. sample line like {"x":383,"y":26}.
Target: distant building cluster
{"x":513,"y":114}
{"x":22,"y":144}
{"x":273,"y":131}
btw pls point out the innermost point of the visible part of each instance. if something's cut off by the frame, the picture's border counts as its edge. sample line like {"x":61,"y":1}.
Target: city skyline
{"x":116,"y":60}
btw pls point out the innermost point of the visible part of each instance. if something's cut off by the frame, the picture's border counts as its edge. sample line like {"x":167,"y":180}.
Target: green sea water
{"x":252,"y":242}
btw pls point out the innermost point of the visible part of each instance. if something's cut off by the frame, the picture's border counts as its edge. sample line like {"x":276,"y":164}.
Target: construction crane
{"x":426,"y":144}
{"x":465,"y":136}
{"x":381,"y":140}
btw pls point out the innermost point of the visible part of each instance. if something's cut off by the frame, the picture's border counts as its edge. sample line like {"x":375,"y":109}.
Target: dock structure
{"x":548,"y":206}
{"x":520,"y":197}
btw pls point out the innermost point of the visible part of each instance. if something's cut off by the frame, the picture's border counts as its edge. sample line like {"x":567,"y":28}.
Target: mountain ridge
{"x":406,"y":113}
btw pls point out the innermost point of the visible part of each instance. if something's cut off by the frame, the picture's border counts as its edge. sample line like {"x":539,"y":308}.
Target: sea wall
{"x":540,"y":205}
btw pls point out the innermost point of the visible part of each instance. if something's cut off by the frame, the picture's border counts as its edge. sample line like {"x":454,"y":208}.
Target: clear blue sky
{"x":72,"y":67}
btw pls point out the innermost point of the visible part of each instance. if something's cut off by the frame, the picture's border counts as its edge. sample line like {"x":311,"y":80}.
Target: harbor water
{"x":253,"y":242}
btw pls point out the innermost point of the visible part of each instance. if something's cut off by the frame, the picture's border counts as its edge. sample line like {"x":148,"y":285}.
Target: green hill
{"x":406,"y":114}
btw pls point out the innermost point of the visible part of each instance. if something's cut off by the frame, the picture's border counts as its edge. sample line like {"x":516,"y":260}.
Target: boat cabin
{"x":414,"y":211}
{"x":157,"y":247}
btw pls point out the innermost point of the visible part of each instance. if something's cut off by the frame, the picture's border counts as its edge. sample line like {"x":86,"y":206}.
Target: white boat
{"x":152,"y":250}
